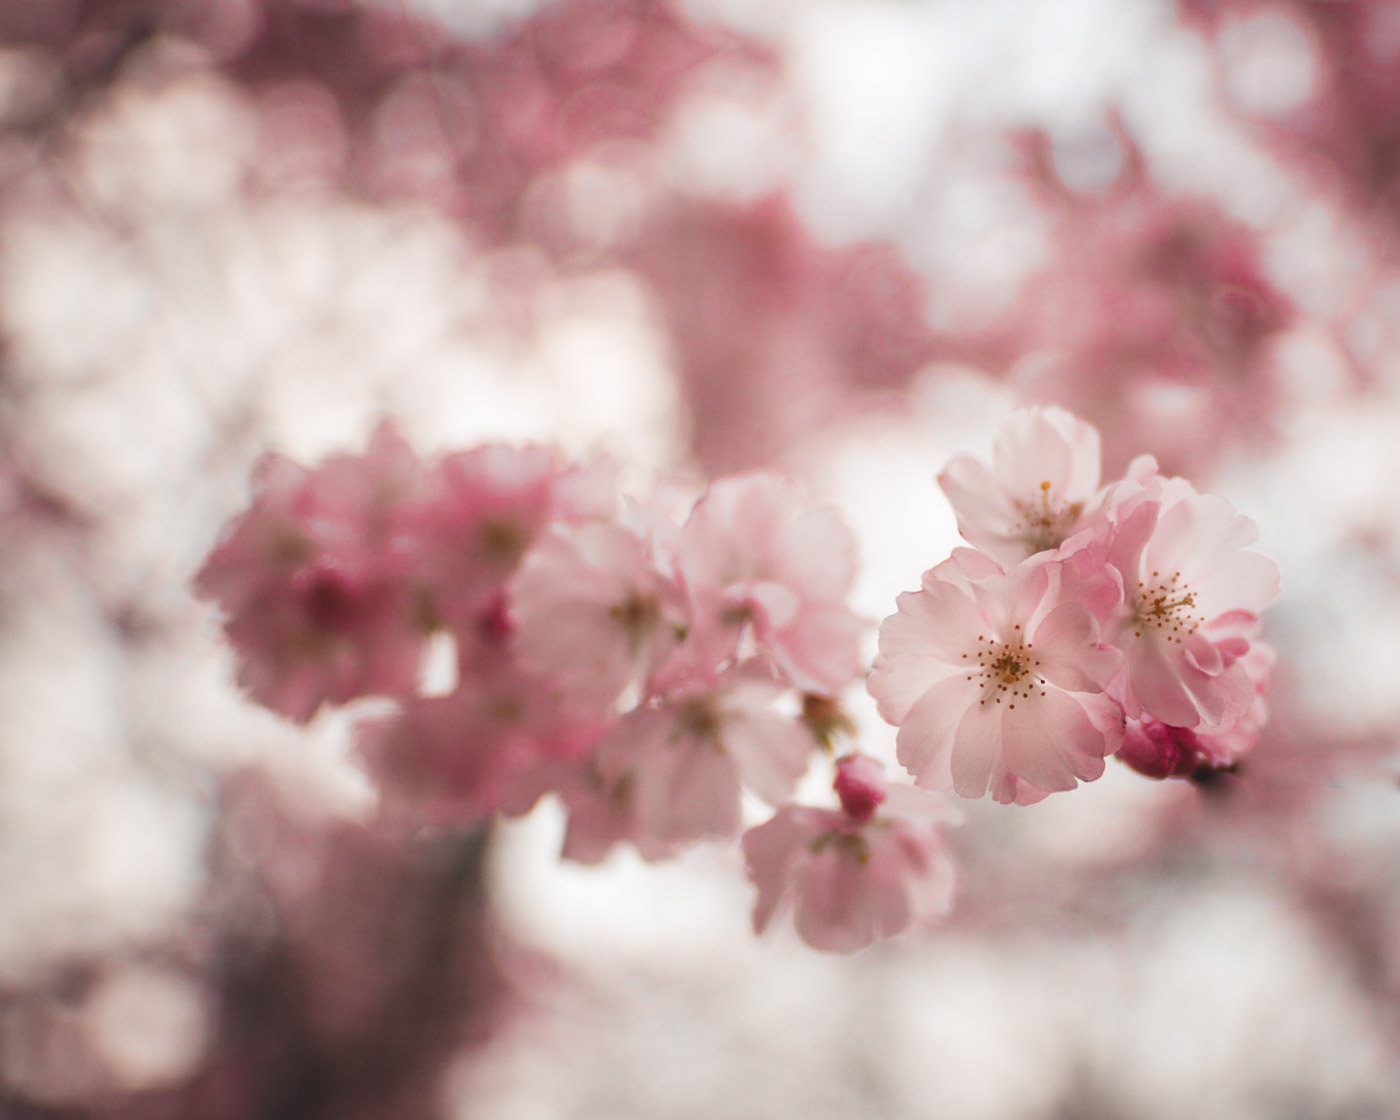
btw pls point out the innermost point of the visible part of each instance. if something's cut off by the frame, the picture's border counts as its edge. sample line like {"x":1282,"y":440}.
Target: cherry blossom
{"x":593,"y":612}
{"x":1045,"y":473}
{"x":313,"y":580}
{"x":649,"y":672}
{"x":458,"y":758}
{"x":872,"y":868}
{"x":484,"y":510}
{"x":1159,"y":750}
{"x":995,"y":680}
{"x":685,"y":757}
{"x":755,"y":561}
{"x":1124,"y":619}
{"x":1186,"y":577}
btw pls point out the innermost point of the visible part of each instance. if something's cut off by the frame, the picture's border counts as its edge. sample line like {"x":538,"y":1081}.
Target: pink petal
{"x":930,"y":890}
{"x":769,"y":850}
{"x":771,"y":750}
{"x":777,"y":606}
{"x":1156,"y":683}
{"x":1067,"y":646}
{"x":985,"y":515}
{"x":924,"y":744}
{"x":1030,"y":450}
{"x":1249,"y":581}
{"x":922,"y":643}
{"x":1222,"y":690}
{"x":976,"y":750}
{"x":820,"y":652}
{"x":1130,"y":538}
{"x":1200,"y":533}
{"x":835,"y":909}
{"x":1050,"y":742}
{"x":967,"y":565}
{"x":691,"y":793}
{"x":817,"y":553}
{"x":1204,"y":657}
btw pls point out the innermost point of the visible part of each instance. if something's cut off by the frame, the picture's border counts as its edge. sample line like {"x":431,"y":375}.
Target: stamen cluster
{"x":1166,"y":605}
{"x":1045,"y":524}
{"x":1003,"y":669}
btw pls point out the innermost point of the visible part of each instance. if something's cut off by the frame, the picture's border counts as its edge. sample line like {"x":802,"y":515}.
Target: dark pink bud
{"x":1159,"y":751}
{"x":860,"y":784}
{"x":493,"y":624}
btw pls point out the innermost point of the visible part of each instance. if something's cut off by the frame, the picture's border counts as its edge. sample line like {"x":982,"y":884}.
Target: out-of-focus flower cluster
{"x":1087,"y":621}
{"x":647,"y":669}
{"x":1317,"y":81}
{"x":1156,"y":318}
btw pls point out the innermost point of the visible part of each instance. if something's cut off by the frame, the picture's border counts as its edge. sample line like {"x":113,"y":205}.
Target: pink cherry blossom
{"x":313,"y":580}
{"x":860,"y":786}
{"x":484,"y":510}
{"x":1159,"y":750}
{"x":593,"y":613}
{"x":456,"y":759}
{"x":754,"y":559}
{"x":872,"y":868}
{"x":994,"y":678}
{"x":685,"y":758}
{"x":1186,"y":573}
{"x":1045,"y":473}
{"x":601,"y":814}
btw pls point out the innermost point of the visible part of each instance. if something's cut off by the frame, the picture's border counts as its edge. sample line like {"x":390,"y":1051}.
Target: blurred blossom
{"x":773,"y":327}
{"x":1154,"y":317}
{"x":871,"y":870}
{"x":1317,"y":80}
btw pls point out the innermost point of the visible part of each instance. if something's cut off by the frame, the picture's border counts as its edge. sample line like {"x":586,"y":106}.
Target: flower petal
{"x":924,"y":744}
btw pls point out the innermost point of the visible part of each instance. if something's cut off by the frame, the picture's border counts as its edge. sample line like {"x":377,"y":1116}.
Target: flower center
{"x":1165,"y":606}
{"x":850,"y":844}
{"x":502,"y":541}
{"x":1046,"y":522}
{"x":697,"y":719}
{"x":1004,"y":671}
{"x":331,"y":600}
{"x":637,"y":615}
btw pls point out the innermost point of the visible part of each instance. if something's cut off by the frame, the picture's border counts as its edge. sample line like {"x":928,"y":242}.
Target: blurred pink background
{"x":838,"y":238}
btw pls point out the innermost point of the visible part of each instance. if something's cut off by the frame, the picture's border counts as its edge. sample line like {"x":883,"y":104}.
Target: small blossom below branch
{"x":871,"y":869}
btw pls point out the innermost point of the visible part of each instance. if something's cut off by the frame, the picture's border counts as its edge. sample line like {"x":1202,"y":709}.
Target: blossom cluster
{"x":1085,"y":621}
{"x":646,"y":668}
{"x":652,"y":663}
